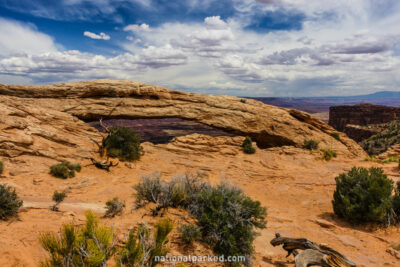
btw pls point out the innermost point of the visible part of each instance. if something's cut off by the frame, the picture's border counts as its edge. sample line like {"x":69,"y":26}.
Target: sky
{"x":235,"y":47}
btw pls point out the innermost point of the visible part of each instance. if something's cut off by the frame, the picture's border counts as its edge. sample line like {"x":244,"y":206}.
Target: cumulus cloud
{"x":23,"y":38}
{"x":101,"y":35}
{"x":137,"y":28}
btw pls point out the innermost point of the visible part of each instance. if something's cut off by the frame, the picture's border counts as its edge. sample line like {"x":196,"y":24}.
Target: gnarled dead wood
{"x":313,"y":254}
{"x":104,"y":165}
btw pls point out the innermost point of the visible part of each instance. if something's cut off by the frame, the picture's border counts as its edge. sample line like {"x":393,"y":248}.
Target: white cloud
{"x":101,"y":35}
{"x":137,"y":28}
{"x":22,"y":38}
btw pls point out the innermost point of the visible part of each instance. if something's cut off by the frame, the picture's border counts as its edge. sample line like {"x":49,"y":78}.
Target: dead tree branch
{"x":104,"y":165}
{"x":313,"y":254}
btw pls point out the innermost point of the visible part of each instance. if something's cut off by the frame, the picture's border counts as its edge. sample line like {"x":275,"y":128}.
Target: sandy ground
{"x":295,"y":185}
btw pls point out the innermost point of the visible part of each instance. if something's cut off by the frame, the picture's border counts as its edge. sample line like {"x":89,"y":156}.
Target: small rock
{"x":37,"y":180}
{"x":393,"y":252}
{"x":130,"y":165}
{"x":324,"y":223}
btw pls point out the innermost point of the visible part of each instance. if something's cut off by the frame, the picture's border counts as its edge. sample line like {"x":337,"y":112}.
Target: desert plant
{"x":363,"y":195}
{"x":58,"y":197}
{"x":189,"y":233}
{"x":142,"y":250}
{"x":328,"y":154}
{"x":123,"y":143}
{"x":243,"y":100}
{"x":1,"y":167}
{"x":248,"y":146}
{"x":386,"y":137}
{"x":311,"y":144}
{"x":114,"y":207}
{"x":9,"y":202}
{"x":64,"y":170}
{"x":226,"y":217}
{"x":335,"y":135}
{"x":90,"y":245}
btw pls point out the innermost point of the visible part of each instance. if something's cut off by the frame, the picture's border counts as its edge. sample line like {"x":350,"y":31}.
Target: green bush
{"x":364,"y":195}
{"x":225,"y":215}
{"x":328,"y":154}
{"x":114,"y":207}
{"x":1,"y":167}
{"x":141,"y":250}
{"x":123,"y":143}
{"x":189,"y":233}
{"x":248,"y":146}
{"x":58,"y":197}
{"x":335,"y":135}
{"x":89,"y":245}
{"x":64,"y":170}
{"x":9,"y":202}
{"x":311,"y":144}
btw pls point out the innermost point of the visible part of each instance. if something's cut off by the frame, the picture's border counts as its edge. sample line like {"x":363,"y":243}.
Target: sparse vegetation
{"x":114,"y":207}
{"x":1,"y":167}
{"x":141,"y":250}
{"x":389,"y":159}
{"x":64,"y":170}
{"x":365,"y":195}
{"x":328,"y":154}
{"x":381,"y":141}
{"x":190,"y":233}
{"x":243,"y":100}
{"x":90,"y":245}
{"x":248,"y":146}
{"x":9,"y":202}
{"x":311,"y":144}
{"x":213,"y":207}
{"x":123,"y":143}
{"x":335,"y":135}
{"x":58,"y":197}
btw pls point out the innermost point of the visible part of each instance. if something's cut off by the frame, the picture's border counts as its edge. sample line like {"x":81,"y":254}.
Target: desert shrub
{"x":114,"y":207}
{"x":225,"y":215}
{"x":123,"y":143}
{"x":64,"y":170}
{"x":243,"y":100}
{"x":310,"y":144}
{"x":142,"y":250}
{"x":179,"y":192}
{"x":363,"y":195}
{"x":58,"y":197}
{"x":335,"y":135}
{"x":189,"y":233}
{"x":9,"y":202}
{"x":248,"y":146}
{"x":328,"y":154}
{"x":1,"y":167}
{"x":89,"y":245}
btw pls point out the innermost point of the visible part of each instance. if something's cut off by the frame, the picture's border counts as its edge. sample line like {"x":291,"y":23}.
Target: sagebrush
{"x":310,"y":144}
{"x":190,"y":233}
{"x":114,"y":207}
{"x":226,"y":217}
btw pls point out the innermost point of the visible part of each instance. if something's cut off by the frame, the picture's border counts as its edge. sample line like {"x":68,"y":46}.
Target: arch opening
{"x":162,"y":130}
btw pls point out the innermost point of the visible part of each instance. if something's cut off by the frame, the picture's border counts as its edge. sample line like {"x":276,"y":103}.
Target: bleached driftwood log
{"x":313,"y":254}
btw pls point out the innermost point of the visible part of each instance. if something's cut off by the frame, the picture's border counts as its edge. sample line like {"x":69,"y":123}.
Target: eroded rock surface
{"x":55,"y":111}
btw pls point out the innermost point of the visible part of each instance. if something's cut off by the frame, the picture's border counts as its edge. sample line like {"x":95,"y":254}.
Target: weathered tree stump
{"x":313,"y":254}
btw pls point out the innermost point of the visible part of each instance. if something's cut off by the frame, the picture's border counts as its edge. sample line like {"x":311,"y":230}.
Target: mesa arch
{"x":269,"y":126}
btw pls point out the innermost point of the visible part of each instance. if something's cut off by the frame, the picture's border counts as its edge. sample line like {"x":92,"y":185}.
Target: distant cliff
{"x":364,"y":114}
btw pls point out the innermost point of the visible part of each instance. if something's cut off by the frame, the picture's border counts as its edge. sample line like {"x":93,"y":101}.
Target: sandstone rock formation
{"x":47,"y":120}
{"x":364,"y":114}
